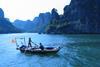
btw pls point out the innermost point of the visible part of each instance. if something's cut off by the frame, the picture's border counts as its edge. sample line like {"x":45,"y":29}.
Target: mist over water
{"x":77,"y":51}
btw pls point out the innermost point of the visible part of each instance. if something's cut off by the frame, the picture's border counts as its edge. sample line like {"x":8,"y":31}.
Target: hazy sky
{"x":28,"y":9}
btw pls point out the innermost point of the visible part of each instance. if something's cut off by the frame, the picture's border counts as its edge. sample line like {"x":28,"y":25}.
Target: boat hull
{"x":38,"y":50}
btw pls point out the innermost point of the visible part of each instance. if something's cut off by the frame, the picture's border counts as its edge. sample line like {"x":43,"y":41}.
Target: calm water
{"x":77,"y":51}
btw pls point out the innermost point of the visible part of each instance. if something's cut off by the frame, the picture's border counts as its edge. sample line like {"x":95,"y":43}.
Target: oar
{"x":34,"y":43}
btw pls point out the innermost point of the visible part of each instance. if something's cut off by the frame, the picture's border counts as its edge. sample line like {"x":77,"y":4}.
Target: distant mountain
{"x":37,"y":25}
{"x":41,"y":22}
{"x":1,"y":13}
{"x":81,"y":16}
{"x":5,"y":25}
{"x":25,"y":26}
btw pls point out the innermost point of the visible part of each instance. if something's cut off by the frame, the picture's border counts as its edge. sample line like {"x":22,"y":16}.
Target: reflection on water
{"x":77,"y":51}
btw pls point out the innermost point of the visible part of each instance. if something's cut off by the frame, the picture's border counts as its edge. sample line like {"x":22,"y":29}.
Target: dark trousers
{"x":29,"y":45}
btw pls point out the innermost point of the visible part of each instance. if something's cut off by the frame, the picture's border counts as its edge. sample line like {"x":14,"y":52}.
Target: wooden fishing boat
{"x":26,"y":49}
{"x":38,"y":49}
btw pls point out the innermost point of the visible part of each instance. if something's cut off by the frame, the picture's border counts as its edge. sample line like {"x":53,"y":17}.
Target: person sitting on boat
{"x":41,"y":46}
{"x":29,"y":43}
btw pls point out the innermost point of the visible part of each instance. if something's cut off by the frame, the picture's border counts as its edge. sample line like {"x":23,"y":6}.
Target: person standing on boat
{"x":29,"y":43}
{"x":41,"y":46}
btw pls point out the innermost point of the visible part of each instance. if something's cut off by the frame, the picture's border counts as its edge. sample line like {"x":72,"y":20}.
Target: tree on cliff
{"x":54,"y":14}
